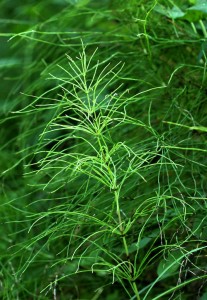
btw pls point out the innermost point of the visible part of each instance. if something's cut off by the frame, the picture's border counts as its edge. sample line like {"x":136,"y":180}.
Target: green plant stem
{"x":121,"y":228}
{"x":203,"y":28}
{"x":145,"y":30}
{"x":135,"y":290}
{"x":194,"y":28}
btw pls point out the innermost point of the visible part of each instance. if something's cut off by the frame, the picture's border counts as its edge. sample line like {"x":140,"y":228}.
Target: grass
{"x":103,"y":151}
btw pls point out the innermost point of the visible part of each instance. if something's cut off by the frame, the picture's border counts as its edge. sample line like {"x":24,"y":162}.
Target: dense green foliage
{"x":103,"y":149}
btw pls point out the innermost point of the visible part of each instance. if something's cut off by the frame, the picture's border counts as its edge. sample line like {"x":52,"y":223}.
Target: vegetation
{"x":103,"y":149}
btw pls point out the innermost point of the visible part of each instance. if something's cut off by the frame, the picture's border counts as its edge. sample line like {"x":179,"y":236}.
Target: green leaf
{"x":193,"y":15}
{"x":175,"y":13}
{"x":170,"y":264}
{"x":199,"y":227}
{"x":135,"y":246}
{"x":172,"y":13}
{"x":201,"y":6}
{"x":143,"y":242}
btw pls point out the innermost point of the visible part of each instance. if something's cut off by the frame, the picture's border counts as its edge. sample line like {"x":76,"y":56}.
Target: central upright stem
{"x":121,"y":228}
